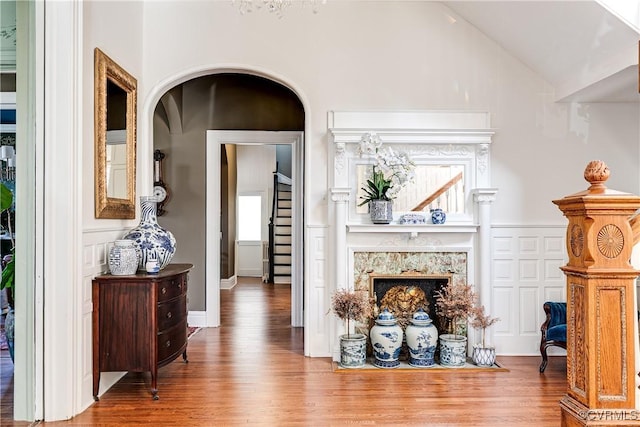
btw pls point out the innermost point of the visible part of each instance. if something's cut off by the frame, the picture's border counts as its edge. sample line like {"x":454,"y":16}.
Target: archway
{"x":210,"y":317}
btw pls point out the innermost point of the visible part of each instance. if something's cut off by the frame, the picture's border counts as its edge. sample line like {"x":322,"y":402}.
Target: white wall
{"x":117,"y":31}
{"x":538,"y":156}
{"x":124,"y":46}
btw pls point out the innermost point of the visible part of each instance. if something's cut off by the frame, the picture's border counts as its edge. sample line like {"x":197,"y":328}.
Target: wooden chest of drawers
{"x":139,"y":322}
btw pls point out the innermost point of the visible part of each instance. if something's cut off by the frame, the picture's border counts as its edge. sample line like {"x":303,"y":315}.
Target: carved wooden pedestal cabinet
{"x":139,"y":322}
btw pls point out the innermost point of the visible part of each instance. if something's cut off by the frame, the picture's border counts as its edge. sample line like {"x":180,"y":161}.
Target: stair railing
{"x":272,"y":227}
{"x":426,"y":202}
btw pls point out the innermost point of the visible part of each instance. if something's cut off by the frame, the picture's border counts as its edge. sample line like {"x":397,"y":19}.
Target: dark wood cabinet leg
{"x":96,"y":384}
{"x":154,"y":385}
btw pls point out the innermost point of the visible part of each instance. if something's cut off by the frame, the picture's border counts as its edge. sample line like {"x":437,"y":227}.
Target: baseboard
{"x":229,"y":283}
{"x":197,"y":318}
{"x":250,"y":272}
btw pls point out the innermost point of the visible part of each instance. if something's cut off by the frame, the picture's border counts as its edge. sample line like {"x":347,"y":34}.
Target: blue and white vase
{"x":123,"y":258}
{"x":381,"y":211}
{"x":353,"y":350}
{"x":438,"y":216}
{"x":453,"y":350}
{"x":483,"y":356}
{"x":422,"y":339}
{"x":386,"y":340}
{"x":151,"y":241}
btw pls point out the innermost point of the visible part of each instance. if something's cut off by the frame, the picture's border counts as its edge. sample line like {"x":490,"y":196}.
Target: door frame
{"x":214,"y":141}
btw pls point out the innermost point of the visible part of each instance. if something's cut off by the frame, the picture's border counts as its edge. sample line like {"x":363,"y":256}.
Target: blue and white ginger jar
{"x":151,"y":241}
{"x":438,"y":216}
{"x":386,"y":340}
{"x":422,"y":339}
{"x":123,"y":258}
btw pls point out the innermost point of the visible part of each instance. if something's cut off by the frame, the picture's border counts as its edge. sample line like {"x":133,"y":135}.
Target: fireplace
{"x":404,"y":294}
{"x":459,"y":249}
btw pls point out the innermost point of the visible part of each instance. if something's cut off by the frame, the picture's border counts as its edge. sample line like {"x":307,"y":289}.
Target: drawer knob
{"x":164,"y":291}
{"x":169,"y":315}
{"x":168,"y":344}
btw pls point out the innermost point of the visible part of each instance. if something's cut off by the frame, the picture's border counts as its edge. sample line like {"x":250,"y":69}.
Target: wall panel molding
{"x":526,"y":263}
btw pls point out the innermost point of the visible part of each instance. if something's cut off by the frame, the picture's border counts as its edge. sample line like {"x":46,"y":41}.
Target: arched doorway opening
{"x":243,"y":107}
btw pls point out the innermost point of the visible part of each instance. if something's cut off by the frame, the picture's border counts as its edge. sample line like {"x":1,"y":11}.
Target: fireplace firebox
{"x":404,"y":294}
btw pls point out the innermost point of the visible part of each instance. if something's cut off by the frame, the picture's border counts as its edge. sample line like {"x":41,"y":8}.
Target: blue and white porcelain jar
{"x":422,"y":339}
{"x":123,"y":258}
{"x":438,"y":216}
{"x":386,"y":340}
{"x":150,"y":240}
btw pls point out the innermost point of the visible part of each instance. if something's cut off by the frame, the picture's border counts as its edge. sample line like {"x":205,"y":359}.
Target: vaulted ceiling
{"x":583,"y":49}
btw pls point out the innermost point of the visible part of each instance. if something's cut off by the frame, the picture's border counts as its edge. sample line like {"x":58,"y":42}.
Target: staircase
{"x":281,"y":259}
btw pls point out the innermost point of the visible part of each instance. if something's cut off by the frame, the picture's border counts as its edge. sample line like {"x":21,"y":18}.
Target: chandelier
{"x":276,"y":7}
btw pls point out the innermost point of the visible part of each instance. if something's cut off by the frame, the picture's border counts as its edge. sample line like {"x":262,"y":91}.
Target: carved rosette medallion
{"x":576,"y":240}
{"x":610,"y":241}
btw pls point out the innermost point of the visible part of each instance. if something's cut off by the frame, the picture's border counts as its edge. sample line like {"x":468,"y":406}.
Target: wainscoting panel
{"x":527,"y":319}
{"x":525,"y":273}
{"x":96,"y":244}
{"x":318,"y":333}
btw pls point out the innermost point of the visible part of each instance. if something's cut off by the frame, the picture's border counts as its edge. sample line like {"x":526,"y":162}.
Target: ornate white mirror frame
{"x":427,"y":137}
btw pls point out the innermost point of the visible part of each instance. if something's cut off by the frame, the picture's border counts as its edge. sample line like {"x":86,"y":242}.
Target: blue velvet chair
{"x":554,"y":329}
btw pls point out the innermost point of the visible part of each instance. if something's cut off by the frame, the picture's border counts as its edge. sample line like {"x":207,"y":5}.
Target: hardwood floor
{"x":252,"y":370}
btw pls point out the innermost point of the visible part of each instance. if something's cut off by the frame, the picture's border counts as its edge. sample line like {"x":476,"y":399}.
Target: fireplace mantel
{"x":430,"y":138}
{"x":413,"y":229}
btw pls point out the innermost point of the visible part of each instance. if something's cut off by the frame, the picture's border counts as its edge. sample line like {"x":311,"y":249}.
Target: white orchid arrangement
{"x":392,"y":170}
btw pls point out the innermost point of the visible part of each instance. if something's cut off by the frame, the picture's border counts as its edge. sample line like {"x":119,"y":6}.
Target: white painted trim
{"x":411,"y":229}
{"x":213,"y":209}
{"x":197,"y":318}
{"x":63,"y":346}
{"x":29,"y":370}
{"x":229,"y":283}
{"x":317,"y":292}
{"x":410,"y":120}
{"x":215,"y":139}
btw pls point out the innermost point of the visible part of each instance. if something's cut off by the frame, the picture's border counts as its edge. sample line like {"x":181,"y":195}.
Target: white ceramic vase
{"x":422,"y":339}
{"x":386,"y":340}
{"x":483,"y":356}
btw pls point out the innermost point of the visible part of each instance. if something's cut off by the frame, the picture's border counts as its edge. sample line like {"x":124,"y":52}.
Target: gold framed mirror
{"x":115,"y":100}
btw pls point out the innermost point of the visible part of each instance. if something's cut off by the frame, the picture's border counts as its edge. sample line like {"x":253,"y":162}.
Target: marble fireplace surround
{"x":460,"y":247}
{"x":382,"y":271}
